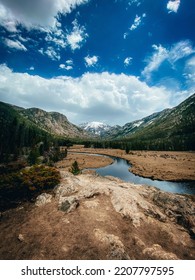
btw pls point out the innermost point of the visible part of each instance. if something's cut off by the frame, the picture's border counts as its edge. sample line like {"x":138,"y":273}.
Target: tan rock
{"x":43,"y":199}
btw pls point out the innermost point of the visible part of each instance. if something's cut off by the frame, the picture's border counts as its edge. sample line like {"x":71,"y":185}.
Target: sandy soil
{"x":169,"y":166}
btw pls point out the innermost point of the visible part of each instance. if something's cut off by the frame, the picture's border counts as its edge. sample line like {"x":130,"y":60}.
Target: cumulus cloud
{"x":173,"y":6}
{"x":128,"y":61}
{"x":116,"y":98}
{"x":77,"y":36}
{"x":176,"y":52}
{"x":15,"y":45}
{"x":137,"y":22}
{"x":36,"y":12}
{"x":90,"y":61}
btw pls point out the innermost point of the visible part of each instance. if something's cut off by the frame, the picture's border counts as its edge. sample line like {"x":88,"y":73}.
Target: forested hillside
{"x":16,"y":133}
{"x":172,"y":131}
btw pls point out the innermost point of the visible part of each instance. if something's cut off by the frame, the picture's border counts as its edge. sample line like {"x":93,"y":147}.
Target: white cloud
{"x":24,"y":40}
{"x":15,"y":45}
{"x":41,"y":51}
{"x":180,"y":50}
{"x":65,"y":67}
{"x":10,"y":26}
{"x":137,"y":22}
{"x":69,"y":62}
{"x":32,"y":68}
{"x":116,"y":98}
{"x":176,"y":52}
{"x":55,"y":35}
{"x":7,"y":20}
{"x":91,"y":61}
{"x":173,"y":6}
{"x":56,"y":40}
{"x":128,"y":61}
{"x":77,"y":36}
{"x":36,"y":12}
{"x":137,"y":2}
{"x":52,"y":53}
{"x":154,"y":62}
{"x":189,"y":73}
{"x":125,"y":35}
{"x":191,"y":62}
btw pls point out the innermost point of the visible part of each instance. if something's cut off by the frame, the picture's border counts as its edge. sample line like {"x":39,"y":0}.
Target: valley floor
{"x":159,"y":165}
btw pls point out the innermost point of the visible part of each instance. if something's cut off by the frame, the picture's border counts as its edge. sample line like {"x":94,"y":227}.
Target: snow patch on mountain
{"x":97,"y":128}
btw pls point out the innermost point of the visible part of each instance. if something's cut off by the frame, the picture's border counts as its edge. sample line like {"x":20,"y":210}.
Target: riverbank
{"x":158,"y":165}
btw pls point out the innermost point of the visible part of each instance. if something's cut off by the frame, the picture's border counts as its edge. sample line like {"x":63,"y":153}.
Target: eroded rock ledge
{"x":173,"y":216}
{"x":94,"y":217}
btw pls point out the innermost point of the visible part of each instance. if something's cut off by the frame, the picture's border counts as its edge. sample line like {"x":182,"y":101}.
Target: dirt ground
{"x":169,"y":166}
{"x":94,"y":229}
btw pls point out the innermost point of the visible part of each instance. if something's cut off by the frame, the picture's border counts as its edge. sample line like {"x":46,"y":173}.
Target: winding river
{"x":120,"y":168}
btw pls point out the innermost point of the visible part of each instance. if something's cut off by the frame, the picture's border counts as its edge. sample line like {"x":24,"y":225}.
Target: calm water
{"x":120,"y":169}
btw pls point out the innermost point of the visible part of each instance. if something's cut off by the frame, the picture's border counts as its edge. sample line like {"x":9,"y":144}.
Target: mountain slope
{"x":52,"y":122}
{"x":175,"y":128}
{"x":17,"y":132}
{"x":128,"y":129}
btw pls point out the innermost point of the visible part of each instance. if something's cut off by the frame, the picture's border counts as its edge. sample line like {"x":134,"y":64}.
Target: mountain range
{"x":173,"y":127}
{"x":176,"y":121}
{"x":117,"y":131}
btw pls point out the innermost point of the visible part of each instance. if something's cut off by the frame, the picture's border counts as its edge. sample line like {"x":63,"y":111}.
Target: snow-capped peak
{"x":97,"y":128}
{"x":95,"y":125}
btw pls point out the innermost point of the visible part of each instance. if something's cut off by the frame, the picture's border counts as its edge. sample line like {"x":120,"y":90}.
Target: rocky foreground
{"x":93,"y":217}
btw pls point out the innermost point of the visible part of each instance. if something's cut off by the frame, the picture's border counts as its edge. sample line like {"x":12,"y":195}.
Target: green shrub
{"x":26,"y":184}
{"x":39,"y":178}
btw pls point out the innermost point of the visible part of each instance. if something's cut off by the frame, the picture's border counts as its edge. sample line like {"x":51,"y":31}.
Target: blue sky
{"x":113,"y":61}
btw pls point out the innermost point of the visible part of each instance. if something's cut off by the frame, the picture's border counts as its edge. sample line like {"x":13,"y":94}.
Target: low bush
{"x":26,"y":183}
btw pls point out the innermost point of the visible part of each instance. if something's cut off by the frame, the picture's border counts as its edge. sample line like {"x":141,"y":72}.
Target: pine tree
{"x":75,"y":168}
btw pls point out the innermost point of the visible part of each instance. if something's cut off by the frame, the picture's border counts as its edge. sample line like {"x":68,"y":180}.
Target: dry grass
{"x":169,"y":166}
